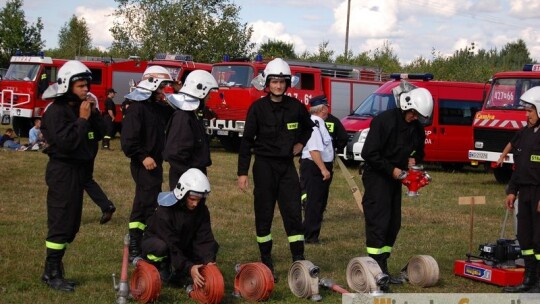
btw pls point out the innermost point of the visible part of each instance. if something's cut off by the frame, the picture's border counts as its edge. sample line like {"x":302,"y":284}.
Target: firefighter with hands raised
{"x":69,"y":125}
{"x":395,"y":142}
{"x":179,"y":233}
{"x":187,"y":145}
{"x":277,"y":128}
{"x":316,"y":168}
{"x":143,"y":141}
{"x":525,"y":185}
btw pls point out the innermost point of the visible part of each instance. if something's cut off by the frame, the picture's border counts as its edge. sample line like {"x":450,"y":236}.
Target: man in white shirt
{"x":316,"y":170}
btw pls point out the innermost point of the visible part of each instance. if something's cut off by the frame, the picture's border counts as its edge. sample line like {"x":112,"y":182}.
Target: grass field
{"x":433,"y":224}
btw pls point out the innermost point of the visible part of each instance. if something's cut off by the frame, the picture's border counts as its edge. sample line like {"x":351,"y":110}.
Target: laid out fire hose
{"x":253,"y":281}
{"x":303,"y":280}
{"x":145,"y":283}
{"x":330,"y":284}
{"x":364,"y":275}
{"x":214,"y":286}
{"x":122,"y":289}
{"x":421,"y":270}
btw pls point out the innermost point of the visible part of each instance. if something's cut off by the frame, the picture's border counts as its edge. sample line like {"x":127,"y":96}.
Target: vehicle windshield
{"x":19,"y":71}
{"x":505,"y":93}
{"x":233,"y":75}
{"x":174,"y":71}
{"x":374,"y":104}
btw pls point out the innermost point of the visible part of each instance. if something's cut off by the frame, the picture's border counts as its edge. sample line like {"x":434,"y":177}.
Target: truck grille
{"x":494,"y":140}
{"x":351,"y":135}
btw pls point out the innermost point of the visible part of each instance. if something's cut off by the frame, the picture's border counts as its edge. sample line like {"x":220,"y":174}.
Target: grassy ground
{"x":433,"y":224}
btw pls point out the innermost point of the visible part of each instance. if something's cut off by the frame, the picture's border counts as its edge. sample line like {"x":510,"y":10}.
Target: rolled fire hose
{"x":253,"y":281}
{"x":214,"y":286}
{"x":145,"y":283}
{"x":421,"y":270}
{"x":303,"y":280}
{"x":364,"y":275}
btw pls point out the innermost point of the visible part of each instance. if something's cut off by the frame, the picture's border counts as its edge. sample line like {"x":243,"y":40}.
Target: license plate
{"x":222,"y":132}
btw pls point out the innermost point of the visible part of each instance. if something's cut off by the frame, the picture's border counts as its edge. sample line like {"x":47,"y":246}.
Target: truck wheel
{"x":21,"y":126}
{"x":503,"y":174}
{"x":231,"y":144}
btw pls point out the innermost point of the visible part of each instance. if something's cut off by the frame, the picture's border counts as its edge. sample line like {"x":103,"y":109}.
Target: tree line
{"x":208,"y":29}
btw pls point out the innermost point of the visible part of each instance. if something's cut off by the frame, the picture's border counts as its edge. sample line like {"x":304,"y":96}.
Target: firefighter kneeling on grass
{"x":525,"y":183}
{"x":179,"y":233}
{"x":395,"y":142}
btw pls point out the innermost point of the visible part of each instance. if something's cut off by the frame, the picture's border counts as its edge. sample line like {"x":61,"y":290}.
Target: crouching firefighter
{"x":69,"y":125}
{"x":525,"y":184}
{"x":179,"y":233}
{"x":395,"y":142}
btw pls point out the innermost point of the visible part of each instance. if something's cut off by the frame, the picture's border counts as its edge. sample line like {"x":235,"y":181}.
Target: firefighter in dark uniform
{"x":316,"y":170}
{"x":109,"y":115}
{"x":277,"y":128}
{"x":525,"y":185}
{"x":179,"y":233}
{"x":143,"y":140}
{"x":68,"y":126}
{"x":395,"y":142}
{"x":337,"y":131}
{"x":187,"y":145}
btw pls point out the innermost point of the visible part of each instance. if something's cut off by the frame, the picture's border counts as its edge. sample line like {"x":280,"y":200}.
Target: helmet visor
{"x":198,"y":194}
{"x":167,"y":199}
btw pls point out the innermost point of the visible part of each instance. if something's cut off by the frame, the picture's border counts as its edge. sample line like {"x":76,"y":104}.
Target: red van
{"x":449,"y":133}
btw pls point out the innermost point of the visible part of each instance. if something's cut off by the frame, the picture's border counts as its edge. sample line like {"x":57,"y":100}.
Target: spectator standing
{"x":109,"y":114}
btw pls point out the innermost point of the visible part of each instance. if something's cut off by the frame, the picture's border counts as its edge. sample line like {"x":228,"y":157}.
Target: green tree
{"x":323,"y":54}
{"x":276,"y":48}
{"x":74,"y":38}
{"x":16,"y":33}
{"x":206,"y":29}
{"x":514,"y":55}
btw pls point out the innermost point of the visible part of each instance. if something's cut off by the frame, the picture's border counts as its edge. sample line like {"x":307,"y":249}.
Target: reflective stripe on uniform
{"x":527,"y":251}
{"x":137,"y":225}
{"x":55,"y":246}
{"x":303,"y":197}
{"x":154,"y":258}
{"x":264,"y":239}
{"x":385,"y":249}
{"x":330,"y":126}
{"x":295,"y":238}
{"x":292,"y":126}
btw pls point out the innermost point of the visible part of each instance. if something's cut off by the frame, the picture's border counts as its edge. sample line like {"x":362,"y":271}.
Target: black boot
{"x":135,"y":237}
{"x":267,"y":260}
{"x":297,"y":250}
{"x":105,"y":143}
{"x":53,"y":275}
{"x":382,"y":260}
{"x":530,"y":277}
{"x":107,"y":214}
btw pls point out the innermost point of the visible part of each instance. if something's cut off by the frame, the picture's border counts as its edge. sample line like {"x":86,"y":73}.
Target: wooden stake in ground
{"x":471,"y":200}
{"x":357,"y":194}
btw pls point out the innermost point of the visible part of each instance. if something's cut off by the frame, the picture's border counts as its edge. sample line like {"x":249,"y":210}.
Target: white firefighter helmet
{"x":275,"y":68}
{"x":71,"y":71}
{"x":418,"y":99}
{"x":153,"y":76}
{"x":532,"y":96}
{"x":198,"y":84}
{"x":192,"y":182}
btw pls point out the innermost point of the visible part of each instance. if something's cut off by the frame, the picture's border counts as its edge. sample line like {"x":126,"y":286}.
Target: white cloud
{"x":525,"y":8}
{"x":266,"y":30}
{"x":372,"y":18}
{"x":99,"y":22}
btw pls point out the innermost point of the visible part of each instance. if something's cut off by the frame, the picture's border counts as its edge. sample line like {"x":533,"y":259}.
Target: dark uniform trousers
{"x":529,"y":218}
{"x":316,"y":191}
{"x":382,"y":210}
{"x":277,"y":180}
{"x":64,"y":202}
{"x":94,"y":190}
{"x":147,"y":188}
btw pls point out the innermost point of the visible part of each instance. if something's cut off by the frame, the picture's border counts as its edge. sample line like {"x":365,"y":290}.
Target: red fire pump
{"x":414,"y":179}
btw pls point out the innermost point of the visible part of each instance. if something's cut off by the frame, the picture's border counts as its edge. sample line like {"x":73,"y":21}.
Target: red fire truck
{"x":179,"y":65}
{"x":345,"y":87}
{"x":501,"y":116}
{"x":28,"y":76}
{"x":449,"y":134}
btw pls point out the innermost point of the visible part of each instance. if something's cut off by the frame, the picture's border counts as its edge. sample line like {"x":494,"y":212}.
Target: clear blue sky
{"x":412,"y":27}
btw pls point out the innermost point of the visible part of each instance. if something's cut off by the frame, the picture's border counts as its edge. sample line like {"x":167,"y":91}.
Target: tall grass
{"x":433,"y":224}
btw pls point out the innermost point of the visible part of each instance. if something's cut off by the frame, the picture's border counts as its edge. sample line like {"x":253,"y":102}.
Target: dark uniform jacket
{"x":69,"y":137}
{"x":391,"y":141}
{"x":188,"y":234}
{"x":272,"y":129}
{"x":337,"y":132}
{"x":186,"y":145}
{"x":143,"y":130}
{"x":526,"y":150}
